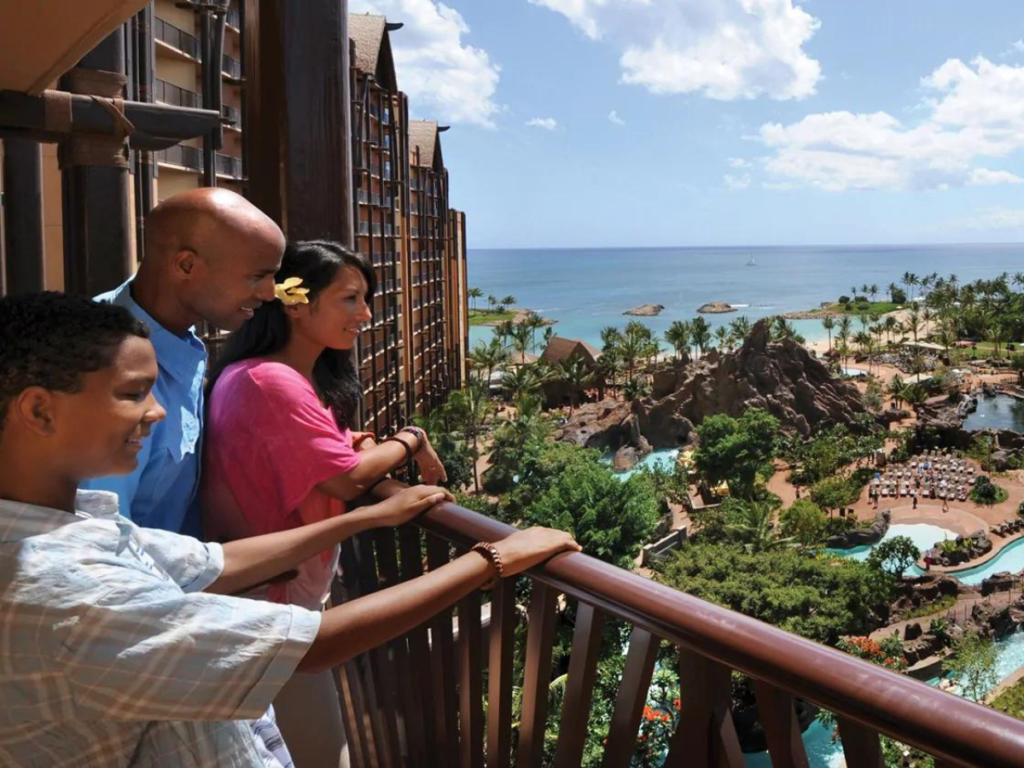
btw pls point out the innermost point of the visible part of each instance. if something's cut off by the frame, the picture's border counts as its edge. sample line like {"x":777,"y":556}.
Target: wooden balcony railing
{"x":420,"y":700}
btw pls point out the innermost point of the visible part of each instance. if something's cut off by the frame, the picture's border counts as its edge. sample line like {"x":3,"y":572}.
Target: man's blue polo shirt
{"x":161,"y":492}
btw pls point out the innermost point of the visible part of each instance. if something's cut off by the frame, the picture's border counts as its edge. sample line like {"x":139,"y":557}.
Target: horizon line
{"x":733,"y":247}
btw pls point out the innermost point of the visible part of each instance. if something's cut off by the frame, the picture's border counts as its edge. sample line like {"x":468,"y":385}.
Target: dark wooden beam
{"x":23,"y":217}
{"x":299,"y":116}
{"x":97,"y":229}
{"x":157,"y":126}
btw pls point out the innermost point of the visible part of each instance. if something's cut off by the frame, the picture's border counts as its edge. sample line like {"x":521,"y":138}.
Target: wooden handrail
{"x":948,"y":727}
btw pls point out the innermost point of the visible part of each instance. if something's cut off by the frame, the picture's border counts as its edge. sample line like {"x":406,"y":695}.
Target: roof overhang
{"x":43,"y":39}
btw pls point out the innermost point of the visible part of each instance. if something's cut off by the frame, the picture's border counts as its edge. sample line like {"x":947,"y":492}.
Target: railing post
{"x":777,"y":711}
{"x":586,"y":648}
{"x":706,"y":733}
{"x":537,"y":676}
{"x":636,"y":680}
{"x":499,"y":680}
{"x":861,"y":745}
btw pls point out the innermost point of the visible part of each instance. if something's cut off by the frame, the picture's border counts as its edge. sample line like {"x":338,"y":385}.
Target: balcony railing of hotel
{"x":420,"y":700}
{"x":231,"y":67}
{"x":189,"y":44}
{"x":175,"y":95}
{"x":192,"y":158}
{"x":176,"y":38}
{"x":233,"y":114}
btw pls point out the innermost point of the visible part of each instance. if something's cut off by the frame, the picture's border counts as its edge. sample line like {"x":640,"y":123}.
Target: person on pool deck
{"x":211,"y":256}
{"x":122,"y":645}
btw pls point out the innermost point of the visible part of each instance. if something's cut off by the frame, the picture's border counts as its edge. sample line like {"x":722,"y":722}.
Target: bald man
{"x":210,"y":255}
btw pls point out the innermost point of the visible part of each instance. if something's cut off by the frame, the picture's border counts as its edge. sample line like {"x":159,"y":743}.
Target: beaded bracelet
{"x":419,"y":434}
{"x":492,"y":554}
{"x":408,"y":449}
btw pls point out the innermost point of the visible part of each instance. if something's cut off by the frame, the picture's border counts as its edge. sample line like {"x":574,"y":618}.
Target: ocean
{"x":585,"y":290}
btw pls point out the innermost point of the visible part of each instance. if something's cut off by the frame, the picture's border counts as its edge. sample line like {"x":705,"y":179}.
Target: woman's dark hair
{"x":317,"y":262}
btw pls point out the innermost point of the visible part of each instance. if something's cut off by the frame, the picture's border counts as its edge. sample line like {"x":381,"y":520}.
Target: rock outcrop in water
{"x":859,"y":537}
{"x":782,"y":378}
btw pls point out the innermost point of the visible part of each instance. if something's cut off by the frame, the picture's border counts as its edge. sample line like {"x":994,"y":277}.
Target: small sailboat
{"x":751,"y":262}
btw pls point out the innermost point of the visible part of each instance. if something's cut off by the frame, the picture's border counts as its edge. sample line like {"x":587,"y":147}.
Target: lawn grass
{"x":483,"y":317}
{"x":871,"y":309}
{"x":944,"y":603}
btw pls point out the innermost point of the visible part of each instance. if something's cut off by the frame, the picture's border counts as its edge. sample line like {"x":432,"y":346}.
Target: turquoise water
{"x":665,"y":458}
{"x":999,"y":412}
{"x":853,"y":371}
{"x":923,"y":535}
{"x":587,"y":289}
{"x":1010,"y":558}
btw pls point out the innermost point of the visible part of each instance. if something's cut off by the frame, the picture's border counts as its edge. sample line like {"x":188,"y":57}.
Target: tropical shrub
{"x":987,"y":493}
{"x":894,"y":556}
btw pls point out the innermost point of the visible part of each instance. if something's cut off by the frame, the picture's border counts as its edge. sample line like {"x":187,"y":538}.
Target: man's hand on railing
{"x":407,"y":504}
{"x":525,"y":549}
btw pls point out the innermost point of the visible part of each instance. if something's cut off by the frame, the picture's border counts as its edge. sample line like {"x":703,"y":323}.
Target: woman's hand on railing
{"x":407,"y":504}
{"x":430,"y":466}
{"x":525,"y":549}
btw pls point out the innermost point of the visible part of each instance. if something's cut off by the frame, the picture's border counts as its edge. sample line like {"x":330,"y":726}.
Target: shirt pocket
{"x":174,"y":458}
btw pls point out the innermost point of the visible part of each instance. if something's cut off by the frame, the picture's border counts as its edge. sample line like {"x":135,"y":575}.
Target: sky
{"x":590,"y":123}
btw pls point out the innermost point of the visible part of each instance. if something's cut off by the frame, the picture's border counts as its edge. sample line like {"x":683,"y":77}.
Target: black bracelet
{"x":377,"y":482}
{"x":408,"y":448}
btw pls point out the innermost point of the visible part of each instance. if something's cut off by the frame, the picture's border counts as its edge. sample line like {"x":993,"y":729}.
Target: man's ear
{"x":184,"y":263}
{"x":33,"y":407}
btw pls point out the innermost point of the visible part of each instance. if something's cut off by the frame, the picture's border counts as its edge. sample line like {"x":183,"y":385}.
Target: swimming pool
{"x":665,"y":458}
{"x":1010,"y":558}
{"x":998,"y":412}
{"x":923,"y":535}
{"x":851,"y":371}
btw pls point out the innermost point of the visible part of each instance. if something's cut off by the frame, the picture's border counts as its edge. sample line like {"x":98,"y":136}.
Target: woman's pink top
{"x":269,"y":443}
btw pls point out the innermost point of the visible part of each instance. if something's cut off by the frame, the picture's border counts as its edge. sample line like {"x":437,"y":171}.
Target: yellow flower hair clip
{"x":289,"y":292}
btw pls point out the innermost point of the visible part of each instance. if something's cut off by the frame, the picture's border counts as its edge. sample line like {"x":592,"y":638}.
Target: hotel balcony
{"x":421,"y":700}
{"x":183,"y":42}
{"x":191,"y":158}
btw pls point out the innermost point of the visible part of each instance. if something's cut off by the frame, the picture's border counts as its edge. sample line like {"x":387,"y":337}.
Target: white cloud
{"x":997,"y":218}
{"x":736,"y":182}
{"x":614,"y":119}
{"x":547,"y":123}
{"x":725,"y":49}
{"x":738,"y":162}
{"x":1013,"y":50}
{"x":972,"y":111}
{"x":444,"y":77}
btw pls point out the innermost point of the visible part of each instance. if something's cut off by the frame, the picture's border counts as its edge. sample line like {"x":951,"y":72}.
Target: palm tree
{"x":873,"y":291}
{"x":489,"y":357}
{"x":739,"y":328}
{"x":636,"y":388}
{"x":507,"y":302}
{"x":845,"y":327}
{"x":474,"y":294}
{"x":721,"y":337}
{"x":522,"y":335}
{"x":891,"y":289}
{"x":897,"y":390}
{"x":503,"y":330}
{"x":632,"y":349}
{"x":521,"y":380}
{"x":700,"y":334}
{"x":678,"y":335}
{"x":536,"y":322}
{"x":753,"y":526}
{"x":913,"y":322}
{"x":492,"y":302}
{"x":890,"y":324}
{"x":469,"y":407}
{"x":607,"y":370}
{"x":576,"y":374}
{"x":610,"y":336}
{"x":828,"y":323}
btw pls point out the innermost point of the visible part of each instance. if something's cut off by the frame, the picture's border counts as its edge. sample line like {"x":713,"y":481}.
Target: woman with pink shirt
{"x":279,"y":450}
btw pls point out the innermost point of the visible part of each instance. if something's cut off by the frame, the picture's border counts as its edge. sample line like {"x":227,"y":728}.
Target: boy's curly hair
{"x":52,"y":339}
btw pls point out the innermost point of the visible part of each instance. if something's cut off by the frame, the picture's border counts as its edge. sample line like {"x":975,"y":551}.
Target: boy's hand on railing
{"x":525,"y":549}
{"x":408,"y":503}
{"x":430,"y":466}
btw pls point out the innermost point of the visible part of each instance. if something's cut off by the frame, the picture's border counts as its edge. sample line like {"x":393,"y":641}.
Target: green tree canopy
{"x":894,"y":556}
{"x":835,"y":492}
{"x":818,"y":597}
{"x":737,"y":451}
{"x":803,"y":521}
{"x":562,"y":486}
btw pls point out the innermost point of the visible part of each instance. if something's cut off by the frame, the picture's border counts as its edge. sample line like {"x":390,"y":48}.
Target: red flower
{"x":677,"y":703}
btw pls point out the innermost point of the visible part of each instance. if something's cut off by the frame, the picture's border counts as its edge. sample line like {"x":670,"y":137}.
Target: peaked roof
{"x":560,"y":348}
{"x":423,"y":136}
{"x":373,"y":47}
